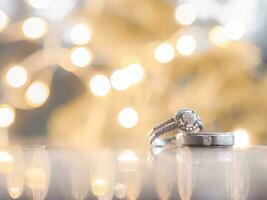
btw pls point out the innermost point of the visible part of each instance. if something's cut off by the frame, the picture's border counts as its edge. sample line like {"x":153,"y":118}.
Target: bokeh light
{"x":7,"y":115}
{"x":39,"y":4}
{"x":218,"y":37}
{"x":235,"y":29}
{"x":164,"y":53}
{"x":16,"y":76}
{"x":128,"y":156}
{"x":81,"y":56}
{"x":185,"y":14}
{"x":80,"y":34}
{"x":186,"y":45}
{"x":34,"y":28}
{"x":135,"y":73}
{"x":128,"y":117}
{"x":241,"y":138}
{"x":99,"y":187}
{"x":4,"y":20}
{"x":37,"y":94}
{"x":119,"y":80}
{"x":100,"y":85}
{"x":5,"y":157}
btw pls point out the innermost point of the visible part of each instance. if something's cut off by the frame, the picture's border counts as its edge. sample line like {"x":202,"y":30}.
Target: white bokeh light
{"x":7,"y":115}
{"x":4,"y":20}
{"x":186,"y":45}
{"x":218,"y":37}
{"x":128,"y":156}
{"x":235,"y":29}
{"x":81,"y":56}
{"x":241,"y":138}
{"x":100,"y":85}
{"x":134,"y":73}
{"x":128,"y":117}
{"x":16,"y":76}
{"x":37,"y":94}
{"x":185,"y":14}
{"x":80,"y":34}
{"x":34,"y":28}
{"x":164,"y":53}
{"x":119,"y":80}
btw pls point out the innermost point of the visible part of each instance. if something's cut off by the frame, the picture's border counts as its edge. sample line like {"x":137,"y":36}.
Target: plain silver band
{"x":206,"y":139}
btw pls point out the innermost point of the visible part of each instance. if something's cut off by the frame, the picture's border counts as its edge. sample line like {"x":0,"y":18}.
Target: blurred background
{"x":94,"y":73}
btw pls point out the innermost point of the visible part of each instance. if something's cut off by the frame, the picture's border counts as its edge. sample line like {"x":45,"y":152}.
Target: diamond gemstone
{"x":207,"y":140}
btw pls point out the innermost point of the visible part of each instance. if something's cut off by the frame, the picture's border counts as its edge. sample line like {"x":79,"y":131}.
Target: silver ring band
{"x":206,"y":139}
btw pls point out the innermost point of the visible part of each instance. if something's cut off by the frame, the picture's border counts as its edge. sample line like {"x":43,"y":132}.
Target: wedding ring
{"x":225,"y":139}
{"x":185,"y":120}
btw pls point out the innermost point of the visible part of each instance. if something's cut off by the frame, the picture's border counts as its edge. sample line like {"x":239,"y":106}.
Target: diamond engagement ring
{"x":185,"y":121}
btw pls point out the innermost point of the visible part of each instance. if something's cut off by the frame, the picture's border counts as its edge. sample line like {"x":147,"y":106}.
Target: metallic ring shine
{"x":224,"y":139}
{"x":185,"y":120}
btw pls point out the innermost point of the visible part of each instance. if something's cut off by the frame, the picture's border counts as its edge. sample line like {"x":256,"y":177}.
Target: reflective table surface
{"x":182,"y":173}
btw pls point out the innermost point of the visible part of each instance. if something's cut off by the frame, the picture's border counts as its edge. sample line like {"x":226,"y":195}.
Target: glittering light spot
{"x":7,"y":115}
{"x":37,"y":93}
{"x":34,"y":28}
{"x":235,"y":29}
{"x":5,"y":157}
{"x":81,"y":56}
{"x":4,"y":20}
{"x":128,"y":117}
{"x":186,"y":45}
{"x":39,"y":4}
{"x":241,"y":138}
{"x":100,"y":85}
{"x":164,"y":53}
{"x":119,"y":80}
{"x":99,"y":187}
{"x":80,"y":34}
{"x":185,"y":14}
{"x":128,"y":155}
{"x":16,"y":76}
{"x":218,"y":37}
{"x":134,"y":73}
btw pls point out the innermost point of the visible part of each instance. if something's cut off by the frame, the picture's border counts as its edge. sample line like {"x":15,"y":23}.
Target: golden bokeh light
{"x":39,"y":4}
{"x":99,"y":85}
{"x":164,"y":53}
{"x":185,"y":14}
{"x":99,"y":187}
{"x":81,"y":56}
{"x":128,"y":156}
{"x":218,"y":37}
{"x":241,"y":138}
{"x":16,"y":76}
{"x":186,"y":45}
{"x":7,"y":115}
{"x":5,"y":156}
{"x":37,"y":93}
{"x":135,"y":73}
{"x":4,"y":20}
{"x":128,"y":117}
{"x":80,"y":34}
{"x":235,"y":29}
{"x":119,"y":80}
{"x":34,"y":28}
